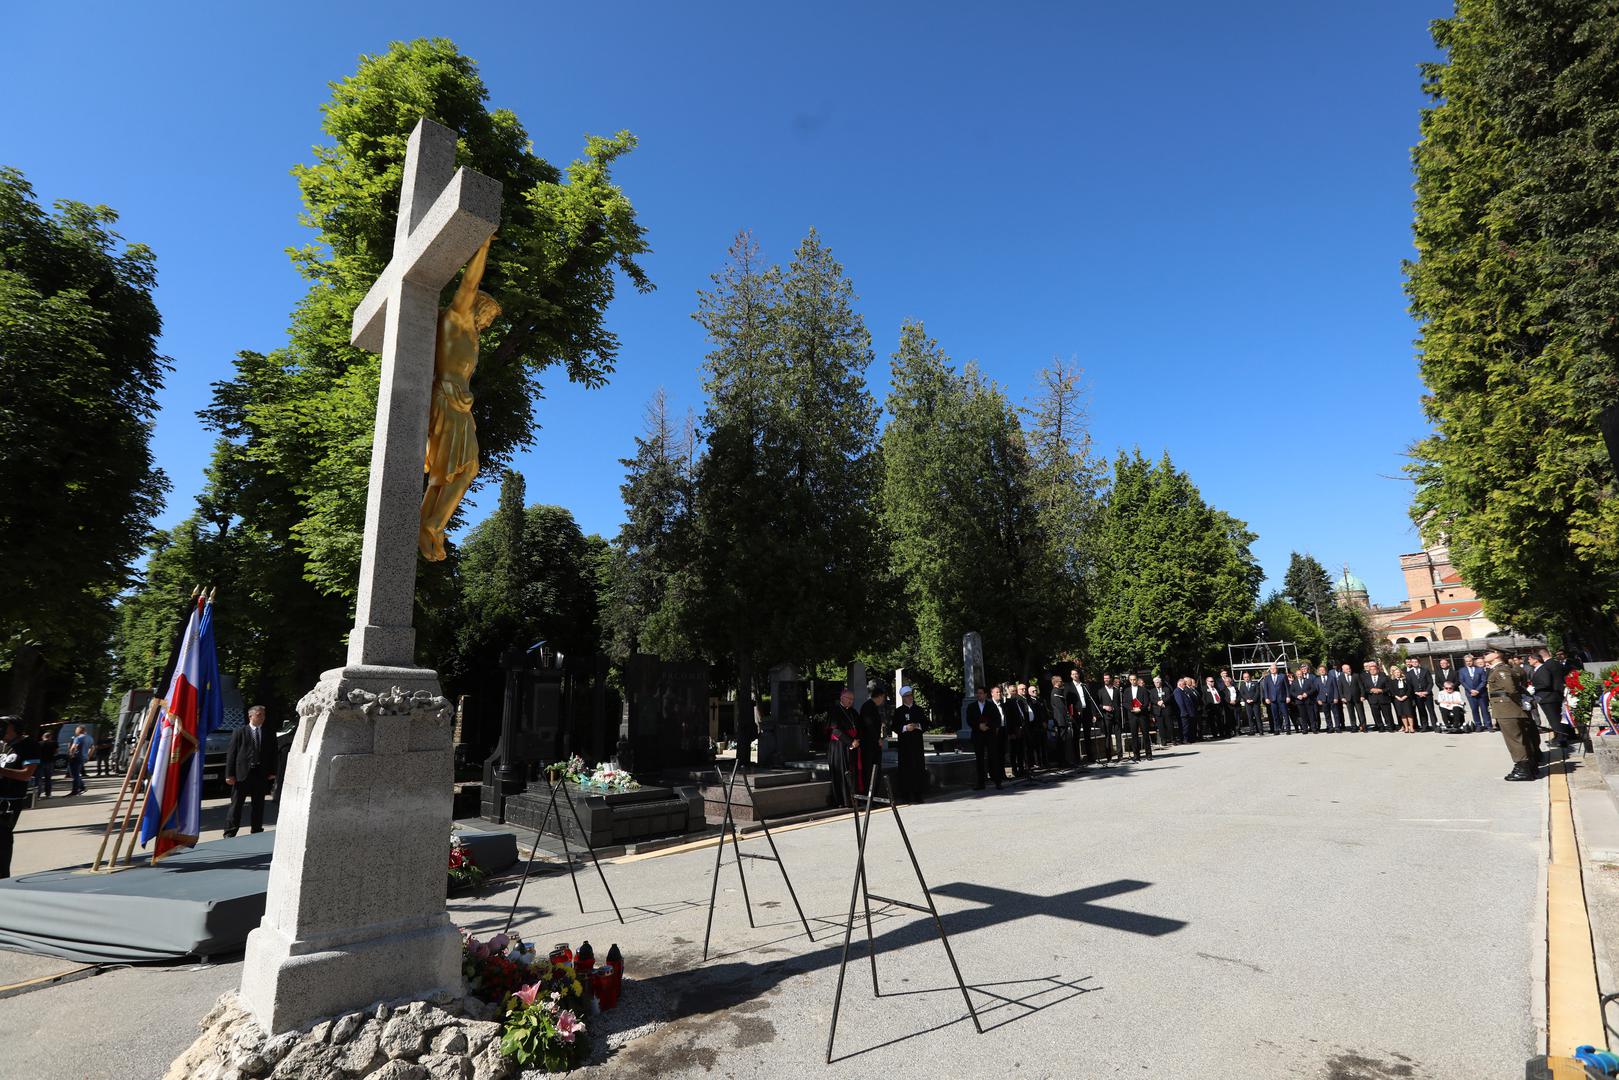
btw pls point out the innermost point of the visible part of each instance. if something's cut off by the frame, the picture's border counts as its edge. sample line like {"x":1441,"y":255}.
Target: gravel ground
{"x":1349,"y":907}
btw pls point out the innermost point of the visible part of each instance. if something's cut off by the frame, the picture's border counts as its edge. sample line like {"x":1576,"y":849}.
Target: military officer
{"x":1505,"y":688}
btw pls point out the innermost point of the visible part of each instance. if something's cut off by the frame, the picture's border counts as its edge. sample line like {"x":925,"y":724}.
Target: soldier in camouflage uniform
{"x":1505,"y":688}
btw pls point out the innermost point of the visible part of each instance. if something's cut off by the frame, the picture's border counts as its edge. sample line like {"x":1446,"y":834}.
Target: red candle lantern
{"x":615,"y":960}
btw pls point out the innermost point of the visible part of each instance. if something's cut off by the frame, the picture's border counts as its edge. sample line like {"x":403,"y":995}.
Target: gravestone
{"x":788,"y":738}
{"x":530,"y":727}
{"x":354,"y":911}
{"x":666,"y":714}
{"x":857,"y":683}
{"x":972,"y":677}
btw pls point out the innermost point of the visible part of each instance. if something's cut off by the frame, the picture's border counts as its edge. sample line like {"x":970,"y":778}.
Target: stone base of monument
{"x":771,"y":794}
{"x":354,"y":909}
{"x":609,"y":819}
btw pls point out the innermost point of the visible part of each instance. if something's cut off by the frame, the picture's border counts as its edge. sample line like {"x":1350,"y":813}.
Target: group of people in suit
{"x":1017,"y":728}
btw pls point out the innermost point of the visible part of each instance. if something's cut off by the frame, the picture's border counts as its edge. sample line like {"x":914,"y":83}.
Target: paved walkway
{"x":1349,"y":907}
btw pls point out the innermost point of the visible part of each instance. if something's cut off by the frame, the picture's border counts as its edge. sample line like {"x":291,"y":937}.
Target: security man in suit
{"x":1505,"y":688}
{"x":250,"y":766}
{"x":1061,"y":720}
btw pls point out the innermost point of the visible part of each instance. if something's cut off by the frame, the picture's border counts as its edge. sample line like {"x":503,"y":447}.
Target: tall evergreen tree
{"x":79,"y":376}
{"x":968,"y":550}
{"x":1307,"y":585}
{"x":646,"y":605}
{"x":1516,"y":285}
{"x":1177,"y":579}
{"x":784,"y":509}
{"x":1067,"y":486}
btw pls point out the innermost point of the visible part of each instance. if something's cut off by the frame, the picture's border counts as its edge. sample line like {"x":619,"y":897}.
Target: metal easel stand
{"x":556,"y":787}
{"x":728,"y":825}
{"x":859,"y":890}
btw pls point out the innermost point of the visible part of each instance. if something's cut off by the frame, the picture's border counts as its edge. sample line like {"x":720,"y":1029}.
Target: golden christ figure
{"x":452,"y":437}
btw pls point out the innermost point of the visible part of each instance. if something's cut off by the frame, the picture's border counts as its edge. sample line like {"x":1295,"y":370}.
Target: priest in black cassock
{"x":873,"y":720}
{"x":908,"y":725}
{"x":843,"y":749}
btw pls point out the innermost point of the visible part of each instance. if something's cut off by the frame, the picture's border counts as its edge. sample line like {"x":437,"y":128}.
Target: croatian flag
{"x":192,"y":708}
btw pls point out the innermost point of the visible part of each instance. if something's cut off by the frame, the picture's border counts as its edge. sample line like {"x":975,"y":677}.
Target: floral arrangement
{"x":496,"y":968}
{"x":1605,"y":693}
{"x":604,"y":777}
{"x":545,"y":1001}
{"x":465,"y":873}
{"x":543,"y":1021}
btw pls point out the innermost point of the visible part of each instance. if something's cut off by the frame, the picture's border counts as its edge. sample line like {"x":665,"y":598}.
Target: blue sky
{"x":1206,"y":205}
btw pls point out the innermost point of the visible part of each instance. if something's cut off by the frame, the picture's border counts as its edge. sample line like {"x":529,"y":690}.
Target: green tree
{"x":1067,"y":485}
{"x":1307,"y":585}
{"x":969,"y":547}
{"x":1176,"y":577}
{"x":1287,"y":623}
{"x":1516,"y":283}
{"x":784,"y":520}
{"x":296,"y":424}
{"x":648,"y":580}
{"x":79,"y":376}
{"x":527,"y":574}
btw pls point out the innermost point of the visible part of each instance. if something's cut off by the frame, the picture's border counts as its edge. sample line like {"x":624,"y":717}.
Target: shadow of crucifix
{"x":1078,"y":905}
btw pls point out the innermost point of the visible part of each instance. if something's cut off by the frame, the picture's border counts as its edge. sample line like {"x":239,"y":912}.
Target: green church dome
{"x":1349,"y":583}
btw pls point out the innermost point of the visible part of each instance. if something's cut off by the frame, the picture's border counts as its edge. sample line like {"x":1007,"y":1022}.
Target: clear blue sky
{"x":1206,"y":204}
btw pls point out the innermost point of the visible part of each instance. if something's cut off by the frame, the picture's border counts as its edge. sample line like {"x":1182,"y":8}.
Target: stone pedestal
{"x":355,"y":907}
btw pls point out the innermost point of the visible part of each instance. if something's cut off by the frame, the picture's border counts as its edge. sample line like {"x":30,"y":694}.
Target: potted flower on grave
{"x":465,"y":873}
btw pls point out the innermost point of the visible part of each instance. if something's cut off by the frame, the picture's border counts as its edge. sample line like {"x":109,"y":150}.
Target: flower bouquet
{"x":494,"y":969}
{"x":606,"y":777}
{"x":571,"y":770}
{"x":544,"y":1021}
{"x":465,"y":873}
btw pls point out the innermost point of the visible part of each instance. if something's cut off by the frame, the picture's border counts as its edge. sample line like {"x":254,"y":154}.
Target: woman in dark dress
{"x":843,"y":748}
{"x":909,"y":723}
{"x":1405,"y":706}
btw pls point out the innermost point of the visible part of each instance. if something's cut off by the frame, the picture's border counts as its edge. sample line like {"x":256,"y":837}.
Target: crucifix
{"x":354,"y":909}
{"x":445,"y":213}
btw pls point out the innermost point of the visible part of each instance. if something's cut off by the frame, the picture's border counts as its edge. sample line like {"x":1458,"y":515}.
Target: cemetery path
{"x":1351,"y":907}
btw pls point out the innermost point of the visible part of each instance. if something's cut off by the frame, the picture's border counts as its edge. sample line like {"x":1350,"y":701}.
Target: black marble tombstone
{"x":665,"y":715}
{"x":531,"y":731}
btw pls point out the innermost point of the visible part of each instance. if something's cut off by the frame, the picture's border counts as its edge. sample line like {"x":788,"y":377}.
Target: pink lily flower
{"x":527,"y":994}
{"x":569,"y":1025}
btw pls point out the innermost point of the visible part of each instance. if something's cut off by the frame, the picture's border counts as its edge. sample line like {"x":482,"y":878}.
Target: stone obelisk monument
{"x":355,"y":910}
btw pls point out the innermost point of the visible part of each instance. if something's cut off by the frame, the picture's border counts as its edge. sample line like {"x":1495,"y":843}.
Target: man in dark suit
{"x":1330,"y":701}
{"x":250,"y":766}
{"x":1061,"y":720}
{"x":1546,"y":684}
{"x":1249,"y":697}
{"x":1187,"y":704}
{"x":1082,"y":711}
{"x":1110,"y":709}
{"x":1275,"y":693}
{"x":1475,"y":690}
{"x":1349,"y":687}
{"x":1163,"y":709}
{"x":1138,"y":717}
{"x":984,"y":718}
{"x":1374,"y":687}
{"x":1421,"y":680}
{"x":1302,"y":694}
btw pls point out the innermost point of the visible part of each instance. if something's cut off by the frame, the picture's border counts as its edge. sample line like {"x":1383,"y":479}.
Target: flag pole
{"x":136,"y":771}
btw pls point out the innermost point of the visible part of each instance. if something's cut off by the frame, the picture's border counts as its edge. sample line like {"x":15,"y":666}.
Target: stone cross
{"x":354,"y":909}
{"x":444,"y":215}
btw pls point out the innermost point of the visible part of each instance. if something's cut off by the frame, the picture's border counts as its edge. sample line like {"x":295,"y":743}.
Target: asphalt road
{"x":1349,"y":907}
